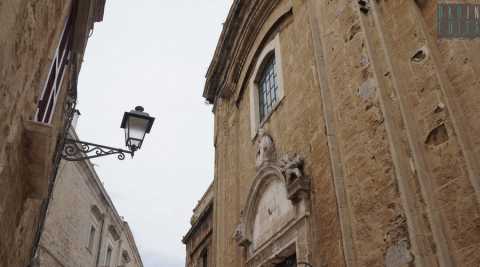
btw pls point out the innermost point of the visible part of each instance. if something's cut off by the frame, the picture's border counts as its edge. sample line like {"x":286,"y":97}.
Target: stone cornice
{"x":197,"y":223}
{"x":94,"y":182}
{"x":240,"y":30}
{"x":203,"y":208}
{"x":203,"y":204}
{"x":131,"y":242}
{"x":99,"y":192}
{"x":87,"y":13}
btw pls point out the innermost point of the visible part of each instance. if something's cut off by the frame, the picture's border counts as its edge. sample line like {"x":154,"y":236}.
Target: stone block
{"x":39,"y":145}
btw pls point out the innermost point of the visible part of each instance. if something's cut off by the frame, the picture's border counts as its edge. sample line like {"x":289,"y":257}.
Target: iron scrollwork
{"x":76,"y":150}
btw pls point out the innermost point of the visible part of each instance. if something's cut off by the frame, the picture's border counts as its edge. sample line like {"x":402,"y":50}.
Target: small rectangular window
{"x":91,"y":238}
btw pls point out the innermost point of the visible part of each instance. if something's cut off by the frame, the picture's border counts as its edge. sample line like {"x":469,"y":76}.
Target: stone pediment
{"x":279,"y":188}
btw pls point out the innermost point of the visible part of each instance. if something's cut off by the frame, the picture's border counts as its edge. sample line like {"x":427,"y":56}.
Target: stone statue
{"x":292,"y":167}
{"x":265,"y":148}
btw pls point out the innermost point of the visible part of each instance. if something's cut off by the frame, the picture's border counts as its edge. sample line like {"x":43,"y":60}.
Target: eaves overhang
{"x":241,"y":28}
{"x":221,"y":51}
{"x":88,"y":12}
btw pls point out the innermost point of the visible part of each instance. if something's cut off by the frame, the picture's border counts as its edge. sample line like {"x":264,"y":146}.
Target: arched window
{"x":266,"y":85}
{"x":268,"y":92}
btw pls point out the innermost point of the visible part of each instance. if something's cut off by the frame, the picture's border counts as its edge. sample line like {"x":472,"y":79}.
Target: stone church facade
{"x":346,"y":134}
{"x":42,"y":44}
{"x":82,"y":226}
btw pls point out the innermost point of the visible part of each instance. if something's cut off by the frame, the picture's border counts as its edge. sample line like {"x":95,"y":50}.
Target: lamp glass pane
{"x":137,"y":128}
{"x":126,"y":134}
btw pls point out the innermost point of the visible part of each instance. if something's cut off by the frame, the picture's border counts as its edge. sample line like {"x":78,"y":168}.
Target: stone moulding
{"x":113,"y":232}
{"x":298,"y":190}
{"x":288,"y":171}
{"x":97,"y":213}
{"x":233,"y":44}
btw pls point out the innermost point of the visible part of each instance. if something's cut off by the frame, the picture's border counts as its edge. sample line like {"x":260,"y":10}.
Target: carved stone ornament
{"x":292,"y":167}
{"x":286,"y":170}
{"x":265,"y":148}
{"x":298,"y":186}
{"x":240,"y":236}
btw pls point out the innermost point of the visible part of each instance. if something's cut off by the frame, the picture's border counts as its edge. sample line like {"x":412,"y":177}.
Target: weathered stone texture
{"x":80,"y":202}
{"x":385,"y":115}
{"x":28,"y":37}
{"x":295,"y":126}
{"x":29,"y":40}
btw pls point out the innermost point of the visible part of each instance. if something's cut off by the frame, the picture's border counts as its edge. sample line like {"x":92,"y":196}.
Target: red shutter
{"x":53,"y":84}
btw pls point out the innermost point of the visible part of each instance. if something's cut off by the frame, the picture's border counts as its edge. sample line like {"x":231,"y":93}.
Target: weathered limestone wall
{"x":386,"y":117}
{"x":296,"y":126}
{"x":413,"y":85}
{"x":374,"y":218}
{"x":65,"y":240}
{"x":28,"y":37}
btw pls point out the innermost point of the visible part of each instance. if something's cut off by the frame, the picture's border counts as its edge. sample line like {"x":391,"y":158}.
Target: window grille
{"x":268,"y":88}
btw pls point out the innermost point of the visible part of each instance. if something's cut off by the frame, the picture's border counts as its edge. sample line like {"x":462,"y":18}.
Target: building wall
{"x":198,"y":240}
{"x":28,"y":38}
{"x":200,"y":243}
{"x":29,"y":41}
{"x":80,"y":202}
{"x":388,"y":135}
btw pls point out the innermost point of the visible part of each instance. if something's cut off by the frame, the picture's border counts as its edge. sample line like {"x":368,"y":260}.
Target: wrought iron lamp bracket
{"x":76,"y":150}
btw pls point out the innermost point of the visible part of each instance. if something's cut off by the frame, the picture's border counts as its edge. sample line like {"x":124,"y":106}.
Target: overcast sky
{"x":153,"y":53}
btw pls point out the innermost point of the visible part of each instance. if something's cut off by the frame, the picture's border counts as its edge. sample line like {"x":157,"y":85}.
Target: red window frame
{"x":53,"y":84}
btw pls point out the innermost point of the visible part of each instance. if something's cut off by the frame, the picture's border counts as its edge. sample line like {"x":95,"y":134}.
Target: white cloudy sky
{"x":153,"y":53}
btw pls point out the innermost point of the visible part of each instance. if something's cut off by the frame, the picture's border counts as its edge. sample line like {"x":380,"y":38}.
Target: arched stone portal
{"x":275,"y":220}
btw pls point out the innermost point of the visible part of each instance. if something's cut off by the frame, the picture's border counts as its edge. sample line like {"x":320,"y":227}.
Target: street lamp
{"x":136,"y":124}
